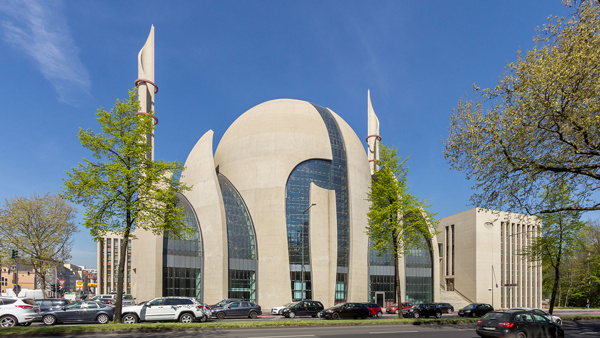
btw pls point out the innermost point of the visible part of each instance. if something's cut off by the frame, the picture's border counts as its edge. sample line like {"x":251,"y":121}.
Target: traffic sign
{"x":61,"y":282}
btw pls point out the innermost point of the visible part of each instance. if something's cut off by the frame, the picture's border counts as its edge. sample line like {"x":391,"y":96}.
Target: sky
{"x":62,"y":60}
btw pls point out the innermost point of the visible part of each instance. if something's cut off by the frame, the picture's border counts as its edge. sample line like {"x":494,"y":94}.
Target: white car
{"x":18,"y":311}
{"x":183,"y":309}
{"x":553,"y":318}
{"x":278,"y":309}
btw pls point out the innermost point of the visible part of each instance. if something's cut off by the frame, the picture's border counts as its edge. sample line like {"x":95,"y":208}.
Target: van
{"x":27,"y":293}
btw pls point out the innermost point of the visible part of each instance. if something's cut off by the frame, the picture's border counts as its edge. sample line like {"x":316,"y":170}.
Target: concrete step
{"x":453,"y":298}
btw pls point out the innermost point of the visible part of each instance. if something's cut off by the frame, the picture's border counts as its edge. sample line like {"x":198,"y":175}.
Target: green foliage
{"x":398,"y":220}
{"x":559,"y":237}
{"x":121,"y":187}
{"x":539,"y":126}
{"x":37,"y":229}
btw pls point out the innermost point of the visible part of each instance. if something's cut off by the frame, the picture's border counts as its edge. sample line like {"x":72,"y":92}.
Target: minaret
{"x":373,"y":139}
{"x":145,"y":83}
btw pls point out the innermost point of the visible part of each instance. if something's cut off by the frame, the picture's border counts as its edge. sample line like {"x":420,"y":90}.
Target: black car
{"x":303,"y":308}
{"x":346,"y":310}
{"x":423,"y":310}
{"x":237,"y":309}
{"x":83,"y":311}
{"x":51,"y":303}
{"x":225,"y":302}
{"x":519,"y":324}
{"x":445,"y":307}
{"x":475,"y":310}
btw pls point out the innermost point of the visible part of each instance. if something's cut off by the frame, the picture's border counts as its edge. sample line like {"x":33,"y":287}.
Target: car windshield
{"x":291,"y":304}
{"x":470,"y":306}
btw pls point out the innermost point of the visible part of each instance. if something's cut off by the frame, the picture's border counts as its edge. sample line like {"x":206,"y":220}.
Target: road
{"x":573,"y":329}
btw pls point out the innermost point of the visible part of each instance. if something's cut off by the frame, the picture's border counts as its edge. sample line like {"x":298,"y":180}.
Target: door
{"x":89,"y":311}
{"x":154,"y":310}
{"x":71,"y":313}
{"x":380,"y":298}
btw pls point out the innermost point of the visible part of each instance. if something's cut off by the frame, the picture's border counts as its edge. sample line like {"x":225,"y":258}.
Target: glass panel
{"x":331,"y":175}
{"x":183,"y":258}
{"x":241,"y":243}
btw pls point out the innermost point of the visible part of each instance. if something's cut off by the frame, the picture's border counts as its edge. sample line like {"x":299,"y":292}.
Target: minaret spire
{"x":145,"y":83}
{"x":373,"y":139}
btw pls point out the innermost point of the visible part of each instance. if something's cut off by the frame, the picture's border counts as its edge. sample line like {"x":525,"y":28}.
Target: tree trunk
{"x":121,"y":272}
{"x":397,"y":288}
{"x":554,"y":288}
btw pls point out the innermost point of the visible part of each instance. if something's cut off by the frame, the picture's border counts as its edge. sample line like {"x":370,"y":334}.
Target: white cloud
{"x":40,"y":29}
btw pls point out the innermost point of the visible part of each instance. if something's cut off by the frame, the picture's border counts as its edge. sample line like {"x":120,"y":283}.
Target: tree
{"x":559,"y":236}
{"x":41,"y":229}
{"x":398,"y":221}
{"x":538,"y":127}
{"x":122,"y":189}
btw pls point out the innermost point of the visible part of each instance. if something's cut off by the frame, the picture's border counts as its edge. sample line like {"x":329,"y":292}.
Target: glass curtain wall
{"x":381,"y":274}
{"x":331,"y":175}
{"x":241,"y":242}
{"x":419,"y":273}
{"x":183,"y":258}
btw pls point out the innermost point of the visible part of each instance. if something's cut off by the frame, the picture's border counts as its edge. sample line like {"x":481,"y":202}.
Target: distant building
{"x":108,"y":265}
{"x":23,"y":275}
{"x":480,"y":258}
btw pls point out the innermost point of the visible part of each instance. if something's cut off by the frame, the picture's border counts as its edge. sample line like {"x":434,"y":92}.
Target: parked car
{"x":106,"y":301}
{"x":51,"y":303}
{"x":475,"y":310}
{"x":394,"y":308}
{"x":277,"y":310}
{"x":423,"y":310}
{"x":303,"y":308}
{"x":345,"y":310}
{"x":445,"y":307}
{"x":374,"y":310}
{"x":518,"y":324}
{"x":183,"y":309}
{"x":237,"y":309}
{"x":553,"y":318}
{"x":82,"y":311}
{"x":224,"y":302}
{"x":18,"y":311}
{"x":112,"y":300}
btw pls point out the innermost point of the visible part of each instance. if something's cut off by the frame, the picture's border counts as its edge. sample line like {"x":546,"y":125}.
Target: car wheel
{"x":292,"y":314}
{"x":186,"y":318}
{"x":473,"y":314}
{"x":335,"y":316}
{"x":416,"y":315}
{"x":129,"y":319}
{"x":102,"y":318}
{"x":48,"y":320}
{"x":203,"y":319}
{"x":8,"y":321}
{"x":438,"y":315}
{"x":396,"y":312}
{"x":521,"y":335}
{"x":379,"y":314}
{"x":221,"y":315}
{"x":253,"y":315}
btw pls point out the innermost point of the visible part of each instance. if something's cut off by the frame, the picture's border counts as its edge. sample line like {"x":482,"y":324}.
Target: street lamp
{"x":302,"y":253}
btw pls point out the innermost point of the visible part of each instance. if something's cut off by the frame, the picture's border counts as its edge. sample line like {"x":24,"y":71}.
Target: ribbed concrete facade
{"x":481,"y":258}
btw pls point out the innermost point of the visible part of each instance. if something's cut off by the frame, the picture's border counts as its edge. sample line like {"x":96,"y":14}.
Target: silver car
{"x":542,"y":313}
{"x":18,"y":311}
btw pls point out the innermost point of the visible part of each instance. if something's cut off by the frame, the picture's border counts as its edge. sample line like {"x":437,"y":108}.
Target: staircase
{"x":453,"y":298}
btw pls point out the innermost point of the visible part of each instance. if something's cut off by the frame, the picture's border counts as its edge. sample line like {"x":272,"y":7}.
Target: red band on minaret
{"x":377,"y":136}
{"x":137,"y":83}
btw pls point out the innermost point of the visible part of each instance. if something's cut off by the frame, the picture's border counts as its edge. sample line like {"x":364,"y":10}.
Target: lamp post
{"x":302,"y":253}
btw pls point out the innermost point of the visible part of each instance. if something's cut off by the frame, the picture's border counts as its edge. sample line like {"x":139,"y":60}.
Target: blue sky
{"x":61,"y":60}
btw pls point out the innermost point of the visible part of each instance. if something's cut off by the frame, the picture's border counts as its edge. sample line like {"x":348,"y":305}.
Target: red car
{"x":394,"y":308}
{"x":374,"y":310}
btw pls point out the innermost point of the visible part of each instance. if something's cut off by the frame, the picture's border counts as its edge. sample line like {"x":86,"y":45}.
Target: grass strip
{"x":58,"y":330}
